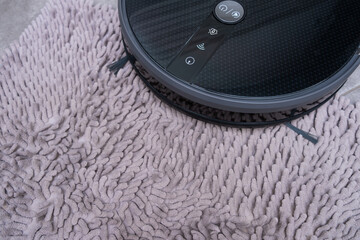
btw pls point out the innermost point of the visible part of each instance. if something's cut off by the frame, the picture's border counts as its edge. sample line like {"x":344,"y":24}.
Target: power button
{"x":229,"y":12}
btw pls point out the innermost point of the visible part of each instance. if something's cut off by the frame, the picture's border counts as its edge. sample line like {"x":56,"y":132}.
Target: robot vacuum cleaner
{"x":242,"y":62}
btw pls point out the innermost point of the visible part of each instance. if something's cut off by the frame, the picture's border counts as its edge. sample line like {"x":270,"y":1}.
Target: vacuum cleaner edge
{"x":234,"y":104}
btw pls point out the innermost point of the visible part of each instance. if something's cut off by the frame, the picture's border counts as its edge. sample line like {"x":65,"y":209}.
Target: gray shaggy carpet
{"x":88,"y":155}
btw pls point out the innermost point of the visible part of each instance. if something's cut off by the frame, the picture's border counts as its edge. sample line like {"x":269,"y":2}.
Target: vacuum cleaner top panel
{"x":247,"y":48}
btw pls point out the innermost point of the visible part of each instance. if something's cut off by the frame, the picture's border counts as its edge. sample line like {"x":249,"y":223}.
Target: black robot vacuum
{"x":242,"y":62}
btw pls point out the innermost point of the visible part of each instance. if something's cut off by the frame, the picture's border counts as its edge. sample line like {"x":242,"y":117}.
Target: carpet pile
{"x":85,"y":154}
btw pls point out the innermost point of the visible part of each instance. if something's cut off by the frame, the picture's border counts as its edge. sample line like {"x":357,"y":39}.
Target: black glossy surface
{"x":282,"y":46}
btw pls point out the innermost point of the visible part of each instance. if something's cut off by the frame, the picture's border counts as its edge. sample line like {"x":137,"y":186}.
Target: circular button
{"x":229,"y":12}
{"x":190,"y":61}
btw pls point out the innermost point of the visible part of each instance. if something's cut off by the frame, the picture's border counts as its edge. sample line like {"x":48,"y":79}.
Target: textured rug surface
{"x":88,"y":155}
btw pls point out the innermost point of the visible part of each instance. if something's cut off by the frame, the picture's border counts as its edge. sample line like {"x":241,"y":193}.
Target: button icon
{"x":213,"y":31}
{"x":223,"y":8}
{"x":190,"y":61}
{"x":236,"y":14}
{"x":201,"y":46}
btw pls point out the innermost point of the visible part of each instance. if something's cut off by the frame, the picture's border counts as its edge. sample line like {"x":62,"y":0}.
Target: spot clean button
{"x":229,"y":12}
{"x":190,"y":61}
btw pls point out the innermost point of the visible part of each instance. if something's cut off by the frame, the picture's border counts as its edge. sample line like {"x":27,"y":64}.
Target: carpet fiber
{"x":88,"y":155}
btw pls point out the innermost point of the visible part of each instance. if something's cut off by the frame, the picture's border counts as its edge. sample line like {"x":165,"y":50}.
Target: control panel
{"x":206,"y":40}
